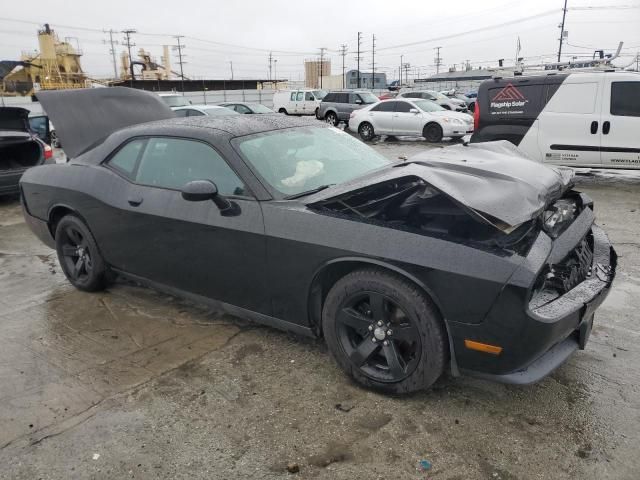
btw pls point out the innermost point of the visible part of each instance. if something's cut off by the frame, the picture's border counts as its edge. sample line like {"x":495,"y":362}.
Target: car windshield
{"x":218,"y":111}
{"x":428,"y":106}
{"x":257,"y":108}
{"x":320,"y":94}
{"x":368,"y":98}
{"x":175,"y":100}
{"x":297,"y":160}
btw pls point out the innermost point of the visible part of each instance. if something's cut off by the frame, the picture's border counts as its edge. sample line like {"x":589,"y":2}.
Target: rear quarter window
{"x":625,"y":99}
{"x":574,"y":98}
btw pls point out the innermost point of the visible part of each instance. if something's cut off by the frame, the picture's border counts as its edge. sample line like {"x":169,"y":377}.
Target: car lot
{"x":133,"y":383}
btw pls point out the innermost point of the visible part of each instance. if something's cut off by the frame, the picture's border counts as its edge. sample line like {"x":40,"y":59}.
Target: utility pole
{"x":127,"y":41}
{"x":322,"y":49}
{"x":343,"y":52}
{"x":270,"y":63}
{"x":438,"y":59}
{"x":112,"y":51}
{"x":275,"y":69}
{"x":406,"y":67}
{"x":179,"y":48}
{"x":564,"y":14}
{"x":358,"y":57}
{"x":400,"y":70}
{"x":373,"y":62}
{"x":231,"y":63}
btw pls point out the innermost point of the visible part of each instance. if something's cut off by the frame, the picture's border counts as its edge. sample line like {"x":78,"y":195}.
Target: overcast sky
{"x":481,"y":32}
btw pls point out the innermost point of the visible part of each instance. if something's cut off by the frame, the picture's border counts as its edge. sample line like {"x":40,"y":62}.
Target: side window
{"x":330,"y":97}
{"x":403,"y":107}
{"x":241,"y":109}
{"x":353,"y":97}
{"x":181,"y":113}
{"x":293,"y":96}
{"x":300,"y":96}
{"x":384,"y":107}
{"x":309,"y":96}
{"x":194,"y":113}
{"x":125,"y":159}
{"x":570,"y":98}
{"x":625,"y":99}
{"x":173,"y":162}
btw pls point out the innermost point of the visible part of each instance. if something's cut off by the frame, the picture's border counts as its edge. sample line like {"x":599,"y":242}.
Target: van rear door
{"x":569,"y":125}
{"x":620,"y":146}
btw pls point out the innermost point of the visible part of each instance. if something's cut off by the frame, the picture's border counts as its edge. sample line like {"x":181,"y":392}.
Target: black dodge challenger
{"x":469,"y":257}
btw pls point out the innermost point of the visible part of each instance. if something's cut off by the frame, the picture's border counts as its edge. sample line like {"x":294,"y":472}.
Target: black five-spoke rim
{"x":75,"y":253}
{"x":365,"y":130}
{"x":378,"y":337}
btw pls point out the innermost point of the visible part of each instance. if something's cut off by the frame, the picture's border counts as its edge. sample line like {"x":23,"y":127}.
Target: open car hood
{"x":14,"y":119}
{"x":85,"y":117}
{"x":494,"y":180}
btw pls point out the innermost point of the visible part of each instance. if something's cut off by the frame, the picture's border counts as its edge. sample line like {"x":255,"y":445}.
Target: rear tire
{"x":283,"y":110}
{"x":332,"y":119}
{"x":432,"y":133}
{"x":410,"y":350}
{"x":366,"y":132}
{"x":79,"y":256}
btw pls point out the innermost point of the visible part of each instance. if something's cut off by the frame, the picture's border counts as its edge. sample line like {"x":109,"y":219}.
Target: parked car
{"x":405,"y":268}
{"x":174,"y":100}
{"x":410,"y":117}
{"x":394,"y":86}
{"x":200,"y":110}
{"x":472,"y":95}
{"x":337,"y":106}
{"x":388,"y":96}
{"x":20,"y":146}
{"x":445,"y":102}
{"x":305,"y":101}
{"x":246,"y":108}
{"x":575,"y":119}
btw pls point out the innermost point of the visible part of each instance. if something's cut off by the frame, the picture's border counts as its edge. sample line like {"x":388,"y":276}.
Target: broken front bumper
{"x":538,"y":339}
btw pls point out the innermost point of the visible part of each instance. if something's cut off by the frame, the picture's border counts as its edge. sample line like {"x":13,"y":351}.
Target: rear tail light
{"x":48,"y":152}
{"x":476,"y":115}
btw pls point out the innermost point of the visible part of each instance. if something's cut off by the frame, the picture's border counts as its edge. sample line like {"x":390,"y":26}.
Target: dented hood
{"x":85,"y":117}
{"x":494,"y":180}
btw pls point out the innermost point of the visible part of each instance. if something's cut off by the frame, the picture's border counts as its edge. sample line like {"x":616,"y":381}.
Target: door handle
{"x":594,"y":127}
{"x":134,"y":200}
{"x":606,"y":126}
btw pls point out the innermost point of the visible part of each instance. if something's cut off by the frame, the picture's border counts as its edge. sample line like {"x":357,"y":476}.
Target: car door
{"x":620,"y":146}
{"x":309,"y":105}
{"x":190,"y":246}
{"x":406,"y":122}
{"x":569,"y":126}
{"x":299,"y":103}
{"x":353,"y":102}
{"x":381,"y":117}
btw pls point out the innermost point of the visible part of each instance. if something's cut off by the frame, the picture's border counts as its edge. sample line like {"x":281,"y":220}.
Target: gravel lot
{"x":131,"y":383}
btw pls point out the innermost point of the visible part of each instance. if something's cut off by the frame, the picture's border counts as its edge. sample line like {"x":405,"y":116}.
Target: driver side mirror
{"x":414,"y":110}
{"x":201,"y":190}
{"x":358,"y":102}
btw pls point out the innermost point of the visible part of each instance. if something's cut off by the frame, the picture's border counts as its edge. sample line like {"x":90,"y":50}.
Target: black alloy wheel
{"x":78,"y":254}
{"x":384,"y":331}
{"x":378,"y":337}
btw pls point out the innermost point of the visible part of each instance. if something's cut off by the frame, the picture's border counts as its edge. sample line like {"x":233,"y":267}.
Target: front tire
{"x":332,"y":119}
{"x":384,"y":332}
{"x":366,"y":132}
{"x":284,"y":111}
{"x":79,"y":256}
{"x":432,"y":133}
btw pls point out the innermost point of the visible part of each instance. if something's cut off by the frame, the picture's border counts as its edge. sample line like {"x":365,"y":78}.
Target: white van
{"x":304,"y":101}
{"x":582,"y":119}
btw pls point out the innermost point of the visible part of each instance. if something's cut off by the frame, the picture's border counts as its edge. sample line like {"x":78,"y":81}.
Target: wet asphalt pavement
{"x":131,"y":383}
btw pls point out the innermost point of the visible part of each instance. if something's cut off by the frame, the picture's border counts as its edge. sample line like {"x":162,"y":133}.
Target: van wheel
{"x":384,"y":332}
{"x":432,"y":133}
{"x":366,"y":131}
{"x":316,"y":113}
{"x":282,"y":110}
{"x":332,"y":119}
{"x":79,"y":256}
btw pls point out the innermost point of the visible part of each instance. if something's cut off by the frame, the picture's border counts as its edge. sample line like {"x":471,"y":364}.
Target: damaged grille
{"x":559,"y":278}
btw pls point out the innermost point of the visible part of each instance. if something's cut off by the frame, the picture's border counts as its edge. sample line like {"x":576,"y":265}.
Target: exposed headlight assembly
{"x":559,"y":216}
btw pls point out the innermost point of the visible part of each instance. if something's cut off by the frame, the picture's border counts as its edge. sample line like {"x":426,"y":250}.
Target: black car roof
{"x":233,"y":125}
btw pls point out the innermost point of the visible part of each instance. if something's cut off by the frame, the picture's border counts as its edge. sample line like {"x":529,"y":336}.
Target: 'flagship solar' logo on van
{"x":509,"y":101}
{"x":508,"y":93}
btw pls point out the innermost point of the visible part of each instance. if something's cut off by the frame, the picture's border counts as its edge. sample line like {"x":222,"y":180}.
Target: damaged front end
{"x":411,"y":204}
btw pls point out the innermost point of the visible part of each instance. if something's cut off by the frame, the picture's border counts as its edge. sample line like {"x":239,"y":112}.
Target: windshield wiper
{"x":308,"y":192}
